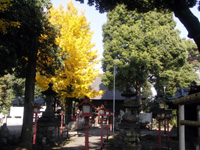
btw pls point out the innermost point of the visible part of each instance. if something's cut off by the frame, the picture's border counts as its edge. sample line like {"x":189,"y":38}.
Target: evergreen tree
{"x":123,"y":46}
{"x":193,"y":54}
{"x":144,"y":45}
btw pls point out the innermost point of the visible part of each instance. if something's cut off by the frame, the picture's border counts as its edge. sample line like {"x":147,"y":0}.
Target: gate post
{"x":181,"y":128}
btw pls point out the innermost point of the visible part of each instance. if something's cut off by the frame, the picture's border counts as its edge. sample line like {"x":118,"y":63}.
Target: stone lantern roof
{"x":50,"y":91}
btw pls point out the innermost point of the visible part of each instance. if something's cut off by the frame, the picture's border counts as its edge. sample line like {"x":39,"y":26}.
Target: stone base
{"x":48,"y":132}
{"x":48,"y":135}
{"x":118,"y":143}
{"x":129,"y":135}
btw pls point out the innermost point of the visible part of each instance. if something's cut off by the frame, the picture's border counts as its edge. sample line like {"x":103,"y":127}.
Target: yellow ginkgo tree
{"x":79,"y":72}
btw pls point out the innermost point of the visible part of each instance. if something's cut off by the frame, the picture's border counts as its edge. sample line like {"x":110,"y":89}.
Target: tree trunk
{"x":138,"y":94}
{"x":190,"y":21}
{"x":26,"y":135}
{"x":68,"y":110}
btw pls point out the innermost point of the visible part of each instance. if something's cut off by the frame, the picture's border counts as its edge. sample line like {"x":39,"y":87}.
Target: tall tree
{"x":123,"y":47}
{"x":181,"y":9}
{"x":169,"y":53}
{"x":80,"y":60}
{"x":75,"y":80}
{"x":143,"y":45}
{"x":19,"y":51}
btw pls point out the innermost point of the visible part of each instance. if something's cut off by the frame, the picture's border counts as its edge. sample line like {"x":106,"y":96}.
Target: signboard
{"x":145,"y":117}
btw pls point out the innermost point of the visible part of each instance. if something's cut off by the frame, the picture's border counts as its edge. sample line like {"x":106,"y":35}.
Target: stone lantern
{"x":48,"y":125}
{"x":50,"y":99}
{"x":129,"y":126}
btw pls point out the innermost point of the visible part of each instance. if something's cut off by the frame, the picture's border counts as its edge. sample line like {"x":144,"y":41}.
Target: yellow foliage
{"x":4,"y":24}
{"x":75,"y":39}
{"x":4,"y":5}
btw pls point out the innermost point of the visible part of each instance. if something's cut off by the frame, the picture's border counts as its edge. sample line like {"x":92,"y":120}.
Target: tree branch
{"x":190,"y":21}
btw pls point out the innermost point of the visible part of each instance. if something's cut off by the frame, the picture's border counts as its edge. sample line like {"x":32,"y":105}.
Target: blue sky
{"x":97,"y":20}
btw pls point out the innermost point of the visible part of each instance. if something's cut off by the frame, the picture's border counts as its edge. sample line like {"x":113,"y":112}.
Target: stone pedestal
{"x":47,"y":132}
{"x":48,"y":125}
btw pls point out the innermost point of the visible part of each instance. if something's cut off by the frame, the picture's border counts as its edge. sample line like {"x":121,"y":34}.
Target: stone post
{"x":198,"y":119}
{"x":181,"y":128}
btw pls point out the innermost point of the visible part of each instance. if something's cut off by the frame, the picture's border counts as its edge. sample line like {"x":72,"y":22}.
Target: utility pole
{"x":114,"y":102}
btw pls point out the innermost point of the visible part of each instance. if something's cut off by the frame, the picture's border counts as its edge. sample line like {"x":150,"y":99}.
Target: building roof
{"x":108,"y":95}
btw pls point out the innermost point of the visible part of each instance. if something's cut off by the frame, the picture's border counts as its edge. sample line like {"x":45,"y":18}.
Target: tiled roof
{"x":108,"y":95}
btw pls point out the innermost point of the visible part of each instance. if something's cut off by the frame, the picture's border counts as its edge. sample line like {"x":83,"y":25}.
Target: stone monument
{"x":48,"y":125}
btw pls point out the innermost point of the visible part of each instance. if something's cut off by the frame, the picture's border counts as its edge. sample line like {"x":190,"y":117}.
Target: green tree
{"x":148,"y":94}
{"x":175,"y":69}
{"x":193,"y":54}
{"x":5,"y":101}
{"x":181,"y":9}
{"x":13,"y":88}
{"x":144,"y":45}
{"x":21,"y":48}
{"x":123,"y":48}
{"x":174,"y":78}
